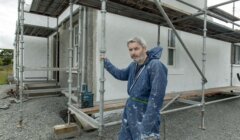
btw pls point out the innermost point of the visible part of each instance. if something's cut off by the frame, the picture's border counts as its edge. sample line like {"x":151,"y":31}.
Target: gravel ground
{"x":40,"y":115}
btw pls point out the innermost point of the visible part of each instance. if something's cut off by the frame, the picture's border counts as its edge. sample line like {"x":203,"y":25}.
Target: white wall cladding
{"x":35,"y":55}
{"x":183,"y":76}
{"x":39,"y":20}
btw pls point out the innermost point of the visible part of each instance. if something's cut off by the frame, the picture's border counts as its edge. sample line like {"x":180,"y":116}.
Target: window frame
{"x":171,"y":46}
{"x":75,"y":45}
{"x":236,"y":55}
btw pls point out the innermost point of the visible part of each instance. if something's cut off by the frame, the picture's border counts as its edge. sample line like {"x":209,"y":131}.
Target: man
{"x":147,"y":81}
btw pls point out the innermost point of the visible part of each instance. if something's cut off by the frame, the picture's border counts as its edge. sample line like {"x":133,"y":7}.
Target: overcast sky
{"x":8,"y":16}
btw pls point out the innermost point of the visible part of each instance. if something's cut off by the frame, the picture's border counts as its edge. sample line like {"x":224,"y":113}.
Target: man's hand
{"x":102,"y":57}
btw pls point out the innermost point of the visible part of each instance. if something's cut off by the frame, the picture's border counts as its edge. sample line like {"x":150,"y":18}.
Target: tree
{"x":1,"y":61}
{"x":6,"y":55}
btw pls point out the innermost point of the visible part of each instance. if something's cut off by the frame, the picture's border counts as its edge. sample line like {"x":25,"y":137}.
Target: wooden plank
{"x":208,"y":92}
{"x":107,"y":107}
{"x":119,"y":104}
{"x":63,"y":131}
{"x":36,"y":91}
{"x":43,"y":94}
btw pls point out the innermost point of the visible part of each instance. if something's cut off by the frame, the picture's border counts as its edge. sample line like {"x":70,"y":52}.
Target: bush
{"x":6,"y":57}
{"x":1,"y":62}
{"x":4,"y":72}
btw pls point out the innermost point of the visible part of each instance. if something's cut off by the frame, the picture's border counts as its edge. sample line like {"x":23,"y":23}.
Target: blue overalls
{"x":141,"y":116}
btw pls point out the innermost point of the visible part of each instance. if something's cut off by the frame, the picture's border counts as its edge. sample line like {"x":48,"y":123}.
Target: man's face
{"x":136,"y":51}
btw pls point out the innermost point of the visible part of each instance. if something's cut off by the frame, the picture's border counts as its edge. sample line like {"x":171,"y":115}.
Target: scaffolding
{"x":23,"y":86}
{"x":155,"y":9}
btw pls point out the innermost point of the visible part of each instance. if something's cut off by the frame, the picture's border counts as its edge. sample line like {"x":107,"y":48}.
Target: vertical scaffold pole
{"x":17,"y":48}
{"x":204,"y":66}
{"x":232,"y":50}
{"x":47,"y":51}
{"x":70,"y":59}
{"x":21,"y":64}
{"x":80,"y":45}
{"x":84,"y":28}
{"x":102,"y":54}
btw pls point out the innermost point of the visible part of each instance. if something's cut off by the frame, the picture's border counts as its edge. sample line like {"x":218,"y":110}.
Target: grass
{"x":4,"y":72}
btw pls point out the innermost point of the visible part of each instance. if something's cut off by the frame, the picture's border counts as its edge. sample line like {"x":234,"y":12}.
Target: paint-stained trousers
{"x":132,"y":121}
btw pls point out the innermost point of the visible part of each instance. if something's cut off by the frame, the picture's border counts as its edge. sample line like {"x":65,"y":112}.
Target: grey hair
{"x":138,"y":40}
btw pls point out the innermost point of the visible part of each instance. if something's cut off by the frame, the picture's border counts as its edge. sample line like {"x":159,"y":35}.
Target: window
{"x":171,"y":48}
{"x":236,"y":55}
{"x":75,"y":46}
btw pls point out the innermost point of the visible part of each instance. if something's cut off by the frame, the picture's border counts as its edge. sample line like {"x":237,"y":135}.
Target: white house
{"x":183,"y":76}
